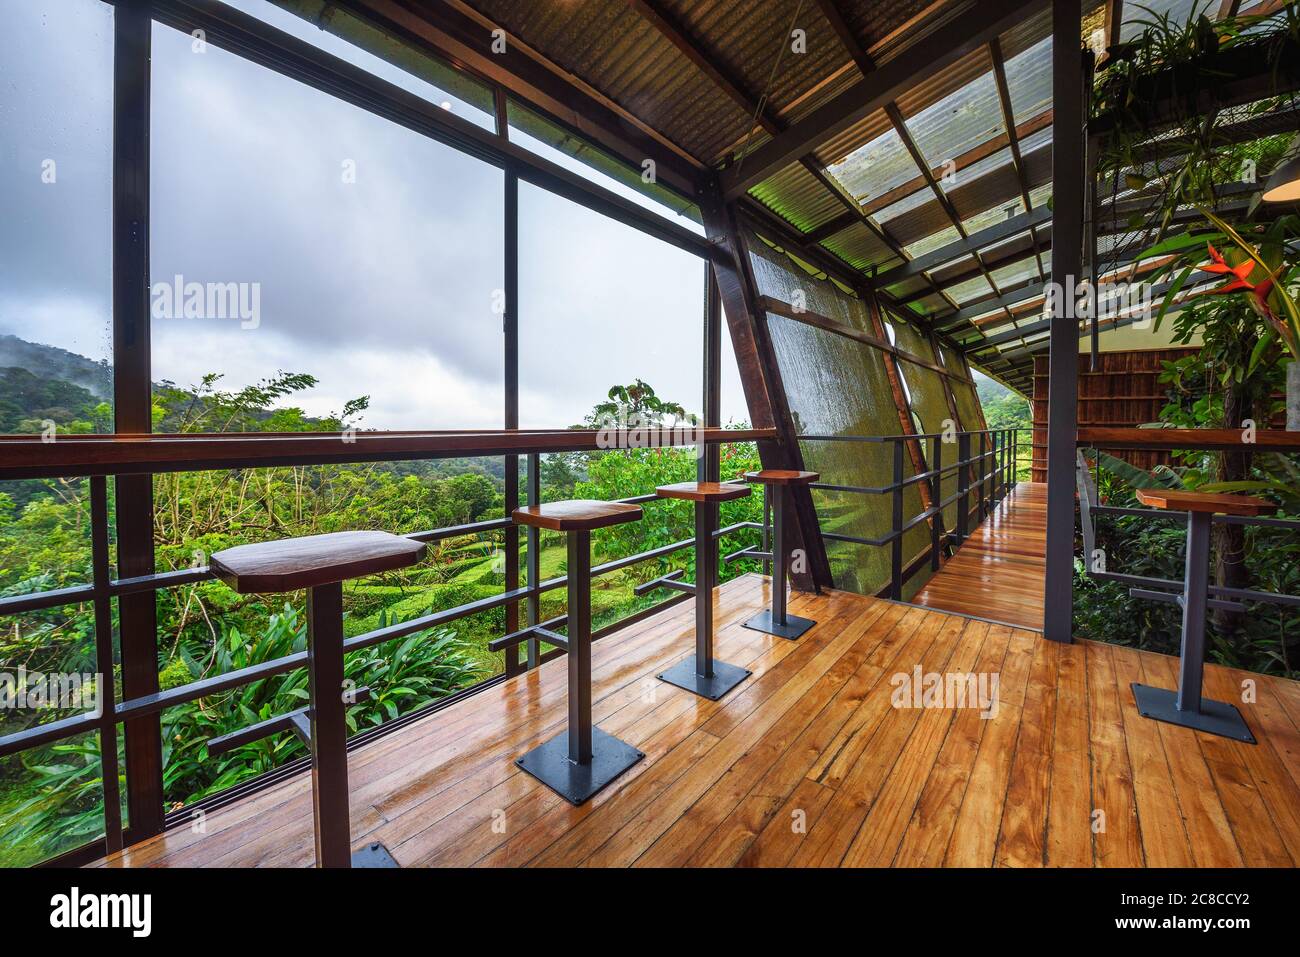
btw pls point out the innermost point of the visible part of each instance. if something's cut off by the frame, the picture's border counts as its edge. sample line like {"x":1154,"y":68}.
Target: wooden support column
{"x":760,"y":377}
{"x":901,"y":402}
{"x":1067,"y":263}
{"x":138,"y":628}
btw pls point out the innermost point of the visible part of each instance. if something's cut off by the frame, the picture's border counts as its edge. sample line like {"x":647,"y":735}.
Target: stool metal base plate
{"x":725,"y":677}
{"x":373,"y":855}
{"x":1215,"y":717}
{"x":550,"y":764}
{"x":794,"y":625}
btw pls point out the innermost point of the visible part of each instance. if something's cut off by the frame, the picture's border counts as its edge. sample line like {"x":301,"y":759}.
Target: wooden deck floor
{"x":998,"y":572}
{"x":809,"y":763}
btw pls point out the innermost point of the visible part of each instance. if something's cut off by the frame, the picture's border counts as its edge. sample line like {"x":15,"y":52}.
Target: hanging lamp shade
{"x":1284,"y":185}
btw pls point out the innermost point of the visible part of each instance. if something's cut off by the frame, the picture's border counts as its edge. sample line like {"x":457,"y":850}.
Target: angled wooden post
{"x":901,"y":402}
{"x":760,"y":377}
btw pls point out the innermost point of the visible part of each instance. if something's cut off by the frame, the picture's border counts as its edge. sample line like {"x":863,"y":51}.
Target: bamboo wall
{"x":1122,"y":391}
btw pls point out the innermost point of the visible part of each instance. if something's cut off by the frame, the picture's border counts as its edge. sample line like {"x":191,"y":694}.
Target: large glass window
{"x":316,"y":268}
{"x":601,"y":305}
{"x":294,"y":233}
{"x":55,"y":379}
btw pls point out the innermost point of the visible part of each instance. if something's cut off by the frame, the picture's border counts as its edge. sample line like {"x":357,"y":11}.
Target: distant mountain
{"x":53,"y":363}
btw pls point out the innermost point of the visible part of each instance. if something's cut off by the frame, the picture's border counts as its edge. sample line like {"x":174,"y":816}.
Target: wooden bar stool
{"x":1186,"y":706}
{"x":700,"y":674}
{"x":776,"y":621}
{"x":579,"y":763}
{"x":320,"y":564}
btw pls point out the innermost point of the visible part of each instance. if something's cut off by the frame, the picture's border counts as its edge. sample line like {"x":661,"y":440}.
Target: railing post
{"x":938,"y":527}
{"x":963,"y":485}
{"x":104,"y":663}
{"x":896,"y":545}
{"x":767,"y":525}
{"x":982,"y":505}
{"x":534,"y":554}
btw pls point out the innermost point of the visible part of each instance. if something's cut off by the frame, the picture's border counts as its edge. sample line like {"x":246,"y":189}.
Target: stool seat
{"x":1207,"y":502}
{"x":781,"y":477}
{"x":577,"y":515}
{"x":296,"y":563}
{"x":703,"y":491}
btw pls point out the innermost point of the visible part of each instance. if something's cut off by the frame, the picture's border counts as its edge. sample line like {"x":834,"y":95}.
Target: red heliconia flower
{"x":1239,"y":273}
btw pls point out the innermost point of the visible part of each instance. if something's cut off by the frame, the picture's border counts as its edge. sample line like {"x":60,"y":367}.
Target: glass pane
{"x":601,"y":305}
{"x":56,"y":231}
{"x":56,"y":98}
{"x":838,"y":386}
{"x":322,"y":242}
{"x":51,"y":800}
{"x":875,"y":168}
{"x":959,"y":122}
{"x":1139,"y":16}
{"x":550,"y":141}
{"x":350,"y":38}
{"x":1029,"y":81}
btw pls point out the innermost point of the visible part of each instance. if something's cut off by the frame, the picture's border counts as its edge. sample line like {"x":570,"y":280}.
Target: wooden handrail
{"x":1208,"y":439}
{"x":28,"y":456}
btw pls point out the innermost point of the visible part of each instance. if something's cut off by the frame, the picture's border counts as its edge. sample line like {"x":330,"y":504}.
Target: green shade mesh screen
{"x":838,"y":386}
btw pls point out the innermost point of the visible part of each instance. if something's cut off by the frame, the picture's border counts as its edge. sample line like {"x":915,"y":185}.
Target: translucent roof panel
{"x":982,"y":168}
{"x":1016,"y":274}
{"x":931,"y":243}
{"x":970,"y":290}
{"x":1138,"y":16}
{"x":875,"y":168}
{"x":1029,"y":81}
{"x":904,"y":205}
{"x":959,"y":122}
{"x":991,"y":217}
{"x":1035,"y":140}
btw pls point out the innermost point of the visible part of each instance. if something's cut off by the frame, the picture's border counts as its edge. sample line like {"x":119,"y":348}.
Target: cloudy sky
{"x":377,"y":252}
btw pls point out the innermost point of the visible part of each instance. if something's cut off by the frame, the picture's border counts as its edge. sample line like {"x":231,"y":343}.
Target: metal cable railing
{"x":985,"y":466}
{"x":1161,"y":589}
{"x":104,"y":589}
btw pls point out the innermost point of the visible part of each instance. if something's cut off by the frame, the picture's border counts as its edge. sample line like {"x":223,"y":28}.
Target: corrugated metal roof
{"x":861,"y":248}
{"x":612,"y":47}
{"x":797,"y":196}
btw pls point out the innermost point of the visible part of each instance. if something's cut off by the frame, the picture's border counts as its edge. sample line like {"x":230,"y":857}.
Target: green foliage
{"x":403,"y":674}
{"x":635,"y":404}
{"x":1004,"y":409}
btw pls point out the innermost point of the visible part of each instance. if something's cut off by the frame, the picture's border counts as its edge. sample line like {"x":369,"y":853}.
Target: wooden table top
{"x":1104,"y":437}
{"x":703,"y":491}
{"x":293,"y":563}
{"x":1213,"y":503}
{"x":781,"y":477}
{"x":577,"y":515}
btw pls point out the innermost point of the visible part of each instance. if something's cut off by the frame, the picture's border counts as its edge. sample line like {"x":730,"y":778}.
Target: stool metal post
{"x":579,"y":635}
{"x":777,"y":621}
{"x":780,"y":559}
{"x":329,"y":729}
{"x":1195,"y":593}
{"x":583,"y":759}
{"x":700,"y":673}
{"x":1187,"y":706}
{"x":705,"y":568}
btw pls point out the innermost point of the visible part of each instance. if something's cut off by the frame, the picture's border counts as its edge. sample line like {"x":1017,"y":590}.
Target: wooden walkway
{"x":810,"y":762}
{"x":998,"y":572}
